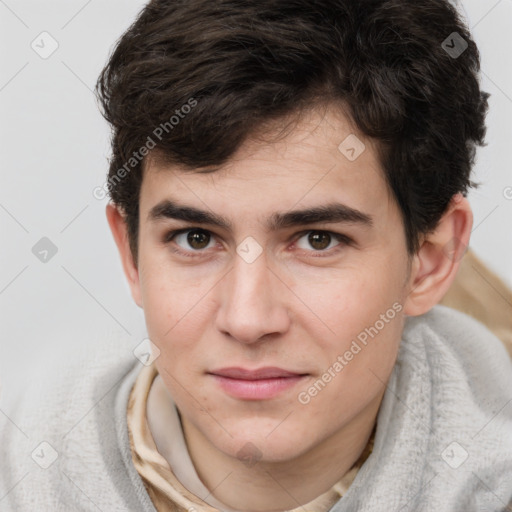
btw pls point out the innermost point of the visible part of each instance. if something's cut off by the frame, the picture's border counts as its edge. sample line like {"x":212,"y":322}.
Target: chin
{"x":252,"y":446}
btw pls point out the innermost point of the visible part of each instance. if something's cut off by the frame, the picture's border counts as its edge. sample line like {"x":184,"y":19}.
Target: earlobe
{"x":436,"y":263}
{"x":118,"y":227}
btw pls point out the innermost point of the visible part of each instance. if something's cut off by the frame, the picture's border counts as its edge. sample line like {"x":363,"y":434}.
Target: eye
{"x":196,"y":239}
{"x":321,"y":240}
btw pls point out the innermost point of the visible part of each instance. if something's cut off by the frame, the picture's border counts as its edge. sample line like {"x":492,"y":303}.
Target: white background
{"x":54,"y":149}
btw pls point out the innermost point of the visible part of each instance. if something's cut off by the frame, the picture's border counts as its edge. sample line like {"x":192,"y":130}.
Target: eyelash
{"x":169,"y":237}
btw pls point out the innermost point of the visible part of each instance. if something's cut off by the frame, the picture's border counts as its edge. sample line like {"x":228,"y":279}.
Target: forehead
{"x":317,"y":159}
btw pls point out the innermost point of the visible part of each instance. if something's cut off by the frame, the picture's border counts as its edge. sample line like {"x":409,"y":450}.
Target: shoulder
{"x":60,"y":435}
{"x":462,"y":340}
{"x":445,"y":421}
{"x":59,"y":388}
{"x":466,"y":372}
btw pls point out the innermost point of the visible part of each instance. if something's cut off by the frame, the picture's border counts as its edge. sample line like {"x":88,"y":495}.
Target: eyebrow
{"x":329,"y":213}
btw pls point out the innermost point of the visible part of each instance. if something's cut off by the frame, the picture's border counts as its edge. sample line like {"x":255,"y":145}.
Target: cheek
{"x":169,"y":295}
{"x":362,"y":311}
{"x":348,"y":300}
{"x":169,"y":320}
{"x":359,"y":362}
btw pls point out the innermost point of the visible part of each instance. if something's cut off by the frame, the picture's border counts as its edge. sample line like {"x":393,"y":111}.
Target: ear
{"x":117,"y":223}
{"x":435,"y":264}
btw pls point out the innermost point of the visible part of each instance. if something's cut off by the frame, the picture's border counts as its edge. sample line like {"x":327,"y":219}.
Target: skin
{"x":298,"y":306}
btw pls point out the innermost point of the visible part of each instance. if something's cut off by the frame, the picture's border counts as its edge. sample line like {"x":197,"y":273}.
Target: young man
{"x":288,"y":188}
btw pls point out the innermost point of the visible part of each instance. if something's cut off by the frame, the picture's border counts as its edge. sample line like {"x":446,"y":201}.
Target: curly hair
{"x":193,"y":79}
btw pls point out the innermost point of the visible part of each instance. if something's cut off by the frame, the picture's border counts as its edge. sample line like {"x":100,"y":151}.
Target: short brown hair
{"x":244,"y":63}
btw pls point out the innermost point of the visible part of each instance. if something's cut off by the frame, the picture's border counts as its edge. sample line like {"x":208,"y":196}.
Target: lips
{"x":269,"y":372}
{"x":260,"y":384}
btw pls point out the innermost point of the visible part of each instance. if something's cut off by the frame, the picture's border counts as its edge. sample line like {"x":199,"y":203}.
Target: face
{"x":317,"y":296}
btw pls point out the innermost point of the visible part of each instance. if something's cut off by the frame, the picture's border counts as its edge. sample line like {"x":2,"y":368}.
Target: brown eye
{"x":190,"y":240}
{"x":198,"y":239}
{"x":321,"y":241}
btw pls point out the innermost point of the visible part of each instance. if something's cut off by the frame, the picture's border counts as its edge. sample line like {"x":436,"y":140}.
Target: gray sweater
{"x":443,"y":441}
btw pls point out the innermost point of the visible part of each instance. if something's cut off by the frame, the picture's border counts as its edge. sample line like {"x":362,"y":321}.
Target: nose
{"x":253,"y":301}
